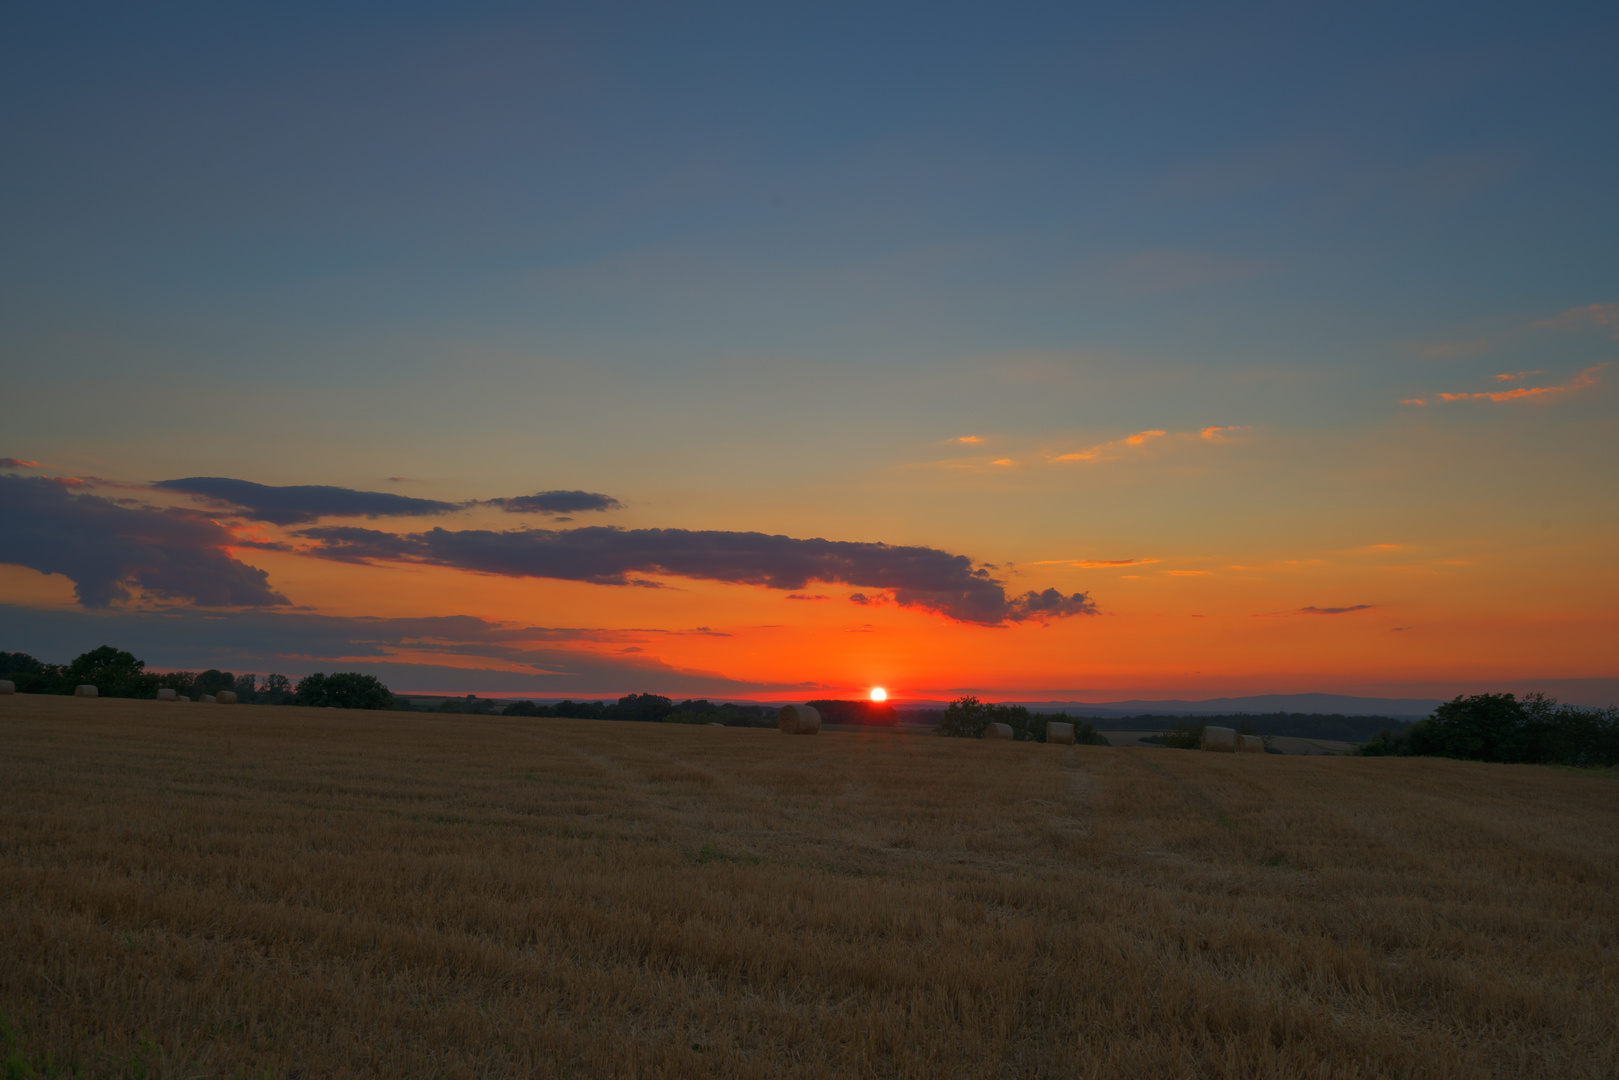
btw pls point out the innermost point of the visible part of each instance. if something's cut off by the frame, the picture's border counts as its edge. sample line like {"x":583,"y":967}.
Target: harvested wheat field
{"x":192,"y":890}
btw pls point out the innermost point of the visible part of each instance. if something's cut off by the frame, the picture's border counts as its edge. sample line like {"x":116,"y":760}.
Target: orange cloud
{"x":1217,"y":434}
{"x":17,"y":463}
{"x":1519,"y":375}
{"x":970,"y":439}
{"x":1413,"y":401}
{"x":1112,"y":451}
{"x":1584,"y":380}
{"x":1093,"y":564}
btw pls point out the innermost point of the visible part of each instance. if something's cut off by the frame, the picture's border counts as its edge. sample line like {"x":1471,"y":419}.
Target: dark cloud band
{"x":917,"y":577}
{"x":104,"y":548}
{"x":300,"y":504}
{"x":557,"y":502}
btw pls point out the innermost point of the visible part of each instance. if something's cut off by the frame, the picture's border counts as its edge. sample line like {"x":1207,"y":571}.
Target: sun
{"x":879,"y":694}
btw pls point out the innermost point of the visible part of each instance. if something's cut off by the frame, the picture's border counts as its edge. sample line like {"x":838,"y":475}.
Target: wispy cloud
{"x":17,"y":463}
{"x":1335,"y":610}
{"x":1093,"y":564}
{"x":1112,"y":451}
{"x":1591,"y":315}
{"x":969,"y":439}
{"x":1229,"y":433}
{"x":1583,"y":381}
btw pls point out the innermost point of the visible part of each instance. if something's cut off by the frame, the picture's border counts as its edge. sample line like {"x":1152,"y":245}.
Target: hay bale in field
{"x":1250,"y":744}
{"x":182,"y":697}
{"x":166,"y":694}
{"x":1220,"y":739}
{"x":1059,"y":732}
{"x":7,"y":686}
{"x":798,"y":720}
{"x":85,"y":691}
{"x":997,"y":731}
{"x":207,"y":699}
{"x":226,"y":697}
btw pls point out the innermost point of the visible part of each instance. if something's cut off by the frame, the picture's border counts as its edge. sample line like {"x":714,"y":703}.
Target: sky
{"x":1041,"y":352}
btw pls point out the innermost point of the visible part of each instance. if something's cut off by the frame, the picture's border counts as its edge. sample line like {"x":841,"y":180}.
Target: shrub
{"x":1185,"y":735}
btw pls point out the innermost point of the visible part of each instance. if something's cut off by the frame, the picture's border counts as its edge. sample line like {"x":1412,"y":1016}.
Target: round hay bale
{"x":997,"y":731}
{"x":207,"y":699}
{"x":182,"y":697}
{"x":226,"y":697}
{"x":1059,"y":732}
{"x":85,"y":691}
{"x":798,"y":720}
{"x":7,"y":686}
{"x":1220,"y":739}
{"x":167,"y":694}
{"x":1250,"y":744}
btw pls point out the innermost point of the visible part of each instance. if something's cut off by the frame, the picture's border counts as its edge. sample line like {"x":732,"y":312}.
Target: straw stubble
{"x":294,"y":891}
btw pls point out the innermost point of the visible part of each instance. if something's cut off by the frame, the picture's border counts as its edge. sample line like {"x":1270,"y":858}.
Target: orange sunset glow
{"x":777,"y":394}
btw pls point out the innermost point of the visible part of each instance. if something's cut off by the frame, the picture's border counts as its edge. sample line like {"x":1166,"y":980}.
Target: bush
{"x":343,"y":690}
{"x":1185,"y":735}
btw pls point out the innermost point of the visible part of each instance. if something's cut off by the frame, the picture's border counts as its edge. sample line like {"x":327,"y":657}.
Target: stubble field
{"x":192,"y":890}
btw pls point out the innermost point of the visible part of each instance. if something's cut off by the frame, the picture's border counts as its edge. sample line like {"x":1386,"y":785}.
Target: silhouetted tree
{"x":641,"y":707}
{"x":343,"y":690}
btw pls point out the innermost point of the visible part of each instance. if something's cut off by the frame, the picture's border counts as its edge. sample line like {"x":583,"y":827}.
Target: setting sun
{"x":879,"y":694}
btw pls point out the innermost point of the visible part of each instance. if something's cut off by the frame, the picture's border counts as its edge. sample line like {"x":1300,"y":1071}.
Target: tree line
{"x":651,"y":708}
{"x":116,"y":673}
{"x":1498,"y":727}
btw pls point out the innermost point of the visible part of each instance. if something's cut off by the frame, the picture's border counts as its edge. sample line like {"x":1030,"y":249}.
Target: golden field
{"x":200,"y":891}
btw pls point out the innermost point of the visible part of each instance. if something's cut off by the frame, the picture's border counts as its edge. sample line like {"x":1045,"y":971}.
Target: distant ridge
{"x":1399,"y":708}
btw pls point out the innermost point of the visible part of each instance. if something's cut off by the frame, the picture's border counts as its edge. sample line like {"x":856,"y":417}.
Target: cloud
{"x":1591,"y":315}
{"x":301,"y":504}
{"x":917,"y":577}
{"x":1602,"y":315}
{"x":556,"y":502}
{"x":1584,"y":380}
{"x":1335,"y":610}
{"x":1094,"y":564}
{"x":104,"y":548}
{"x":1217,"y":434}
{"x":1112,"y":451}
{"x":17,"y":463}
{"x":1519,"y":375}
{"x":802,"y":596}
{"x":970,"y":439}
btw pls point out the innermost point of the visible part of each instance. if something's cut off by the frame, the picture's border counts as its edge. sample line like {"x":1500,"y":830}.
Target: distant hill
{"x":1315,"y":704}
